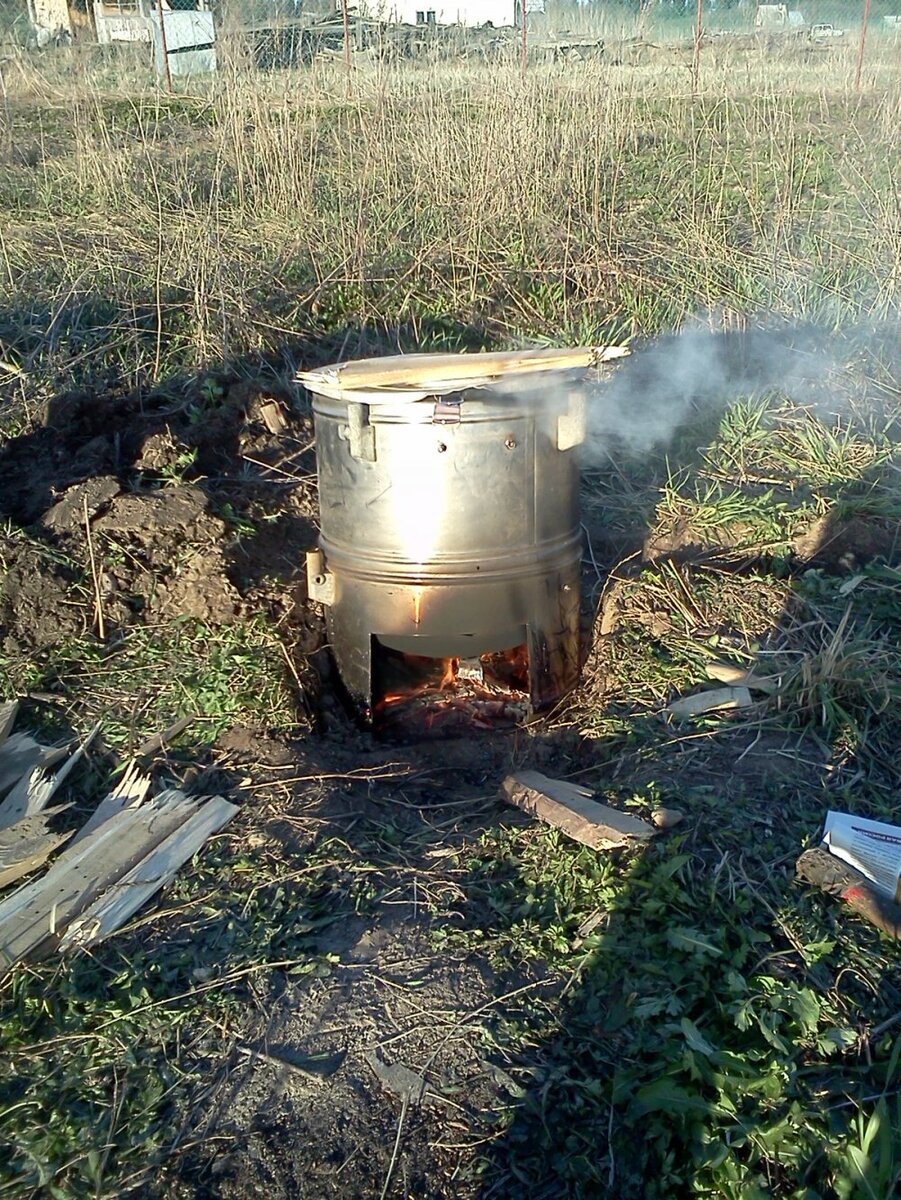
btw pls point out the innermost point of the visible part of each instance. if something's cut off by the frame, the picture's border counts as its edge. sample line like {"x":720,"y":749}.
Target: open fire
{"x":438,"y":696}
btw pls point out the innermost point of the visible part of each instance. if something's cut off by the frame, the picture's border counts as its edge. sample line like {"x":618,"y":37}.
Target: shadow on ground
{"x":379,"y":981}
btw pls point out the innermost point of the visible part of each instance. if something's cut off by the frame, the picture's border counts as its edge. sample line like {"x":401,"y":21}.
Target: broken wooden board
{"x":711,"y":701}
{"x":33,"y":916}
{"x":27,"y":845}
{"x":130,"y":792}
{"x":426,"y":374}
{"x":573,"y":810}
{"x":35,"y":789}
{"x":8,"y":711}
{"x":110,"y":911}
{"x":21,"y":754}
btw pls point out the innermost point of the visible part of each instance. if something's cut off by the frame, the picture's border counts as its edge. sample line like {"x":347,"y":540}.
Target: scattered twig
{"x":276,"y":1060}
{"x":156,"y":743}
{"x":98,"y":598}
{"x":400,"y":1126}
{"x":885,"y":1026}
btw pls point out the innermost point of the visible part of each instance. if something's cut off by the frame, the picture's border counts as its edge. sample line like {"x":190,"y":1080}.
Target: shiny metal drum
{"x":450,"y":527}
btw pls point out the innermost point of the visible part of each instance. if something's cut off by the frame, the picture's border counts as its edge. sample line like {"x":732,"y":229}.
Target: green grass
{"x":742,"y":1029}
{"x":702,"y":1011}
{"x":158,"y":673}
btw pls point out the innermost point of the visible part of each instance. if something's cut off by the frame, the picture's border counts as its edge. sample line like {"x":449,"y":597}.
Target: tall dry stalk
{"x":551,"y":207}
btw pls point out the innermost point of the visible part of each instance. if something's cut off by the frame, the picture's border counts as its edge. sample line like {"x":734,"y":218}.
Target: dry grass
{"x":461,"y":201}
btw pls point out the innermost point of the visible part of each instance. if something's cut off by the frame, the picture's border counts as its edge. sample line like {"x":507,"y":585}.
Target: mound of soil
{"x":206,"y":517}
{"x":40,"y":600}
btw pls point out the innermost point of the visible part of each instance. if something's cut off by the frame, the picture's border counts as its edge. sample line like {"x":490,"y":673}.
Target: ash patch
{"x":389,"y":1049}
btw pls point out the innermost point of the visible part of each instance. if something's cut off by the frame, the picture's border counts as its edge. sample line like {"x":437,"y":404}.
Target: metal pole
{"x":696,"y":57}
{"x":525,"y":41}
{"x":863,"y":42}
{"x":165,"y":48}
{"x":347,"y":51}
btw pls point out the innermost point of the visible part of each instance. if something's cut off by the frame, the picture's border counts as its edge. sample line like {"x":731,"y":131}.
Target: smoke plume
{"x":696,"y":374}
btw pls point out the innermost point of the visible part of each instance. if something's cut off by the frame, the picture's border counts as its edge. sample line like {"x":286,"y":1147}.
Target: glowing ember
{"x":447,"y":695}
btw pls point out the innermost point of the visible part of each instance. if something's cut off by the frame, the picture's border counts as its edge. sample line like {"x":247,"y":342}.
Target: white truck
{"x":825,"y":33}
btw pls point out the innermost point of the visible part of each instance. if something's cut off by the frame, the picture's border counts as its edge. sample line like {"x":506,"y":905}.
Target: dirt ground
{"x":306,"y":1097}
{"x":369,"y":1076}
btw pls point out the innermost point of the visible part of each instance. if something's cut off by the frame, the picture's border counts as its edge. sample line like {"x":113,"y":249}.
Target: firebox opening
{"x":450,"y":693}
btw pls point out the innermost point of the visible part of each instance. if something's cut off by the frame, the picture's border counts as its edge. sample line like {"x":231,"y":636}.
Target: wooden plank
{"x":710,"y":701}
{"x":112,"y":909}
{"x":421,"y":370}
{"x":130,"y":792}
{"x":27,"y":845}
{"x":572,"y":810}
{"x":33,"y":917}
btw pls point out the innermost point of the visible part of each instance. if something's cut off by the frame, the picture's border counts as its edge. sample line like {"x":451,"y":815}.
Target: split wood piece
{"x":572,"y":810}
{"x":111,"y":910}
{"x":20,"y":755}
{"x":159,"y":740}
{"x":27,"y":845}
{"x":34,"y":791}
{"x":32,"y":918}
{"x":667,"y":818}
{"x":838,"y":878}
{"x":704,"y":702}
{"x":738,"y":676}
{"x":273,"y":416}
{"x":422,"y":371}
{"x":130,"y":792}
{"x":8,"y":713}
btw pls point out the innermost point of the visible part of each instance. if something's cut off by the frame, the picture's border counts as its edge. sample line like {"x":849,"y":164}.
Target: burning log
{"x":573,"y":810}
